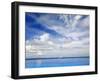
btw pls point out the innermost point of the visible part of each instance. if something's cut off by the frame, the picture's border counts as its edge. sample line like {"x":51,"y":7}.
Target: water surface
{"x":56,"y":62}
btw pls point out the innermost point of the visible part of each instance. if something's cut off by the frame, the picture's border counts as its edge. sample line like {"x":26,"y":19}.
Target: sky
{"x":68,"y":31}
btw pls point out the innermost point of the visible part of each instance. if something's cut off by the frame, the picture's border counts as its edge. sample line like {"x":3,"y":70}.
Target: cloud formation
{"x":57,"y":31}
{"x":44,"y":37}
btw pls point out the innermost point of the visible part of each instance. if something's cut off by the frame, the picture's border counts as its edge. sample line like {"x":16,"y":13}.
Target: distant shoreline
{"x":55,"y":58}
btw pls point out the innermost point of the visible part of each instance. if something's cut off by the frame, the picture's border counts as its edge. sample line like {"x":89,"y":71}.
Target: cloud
{"x":84,"y":22}
{"x":73,"y":31}
{"x":44,"y":37}
{"x":77,"y":17}
{"x":67,"y":26}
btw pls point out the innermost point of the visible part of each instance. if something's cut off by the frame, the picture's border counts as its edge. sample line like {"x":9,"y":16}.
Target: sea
{"x":56,"y":62}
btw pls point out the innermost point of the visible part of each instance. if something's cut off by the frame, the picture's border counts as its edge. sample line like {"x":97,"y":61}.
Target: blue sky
{"x":66,"y":30}
{"x":34,"y":28}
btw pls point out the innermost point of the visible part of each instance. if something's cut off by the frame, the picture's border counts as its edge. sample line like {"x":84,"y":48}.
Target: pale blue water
{"x":38,"y":63}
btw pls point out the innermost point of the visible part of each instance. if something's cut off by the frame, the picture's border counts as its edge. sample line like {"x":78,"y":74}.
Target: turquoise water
{"x":56,"y":62}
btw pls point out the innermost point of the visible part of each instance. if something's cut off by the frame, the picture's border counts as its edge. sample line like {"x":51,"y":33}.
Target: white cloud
{"x":78,"y":17}
{"x":44,"y":37}
{"x":66,"y":27}
{"x":70,"y":47}
{"x":77,"y":34}
{"x":40,"y":53}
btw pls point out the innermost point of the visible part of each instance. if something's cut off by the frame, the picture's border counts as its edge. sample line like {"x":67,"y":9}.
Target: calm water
{"x":37,"y":63}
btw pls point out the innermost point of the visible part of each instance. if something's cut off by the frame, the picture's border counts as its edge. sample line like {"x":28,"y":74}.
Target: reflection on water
{"x":37,"y":63}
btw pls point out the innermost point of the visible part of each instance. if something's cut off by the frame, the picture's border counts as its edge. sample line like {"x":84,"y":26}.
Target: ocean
{"x":56,"y":62}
